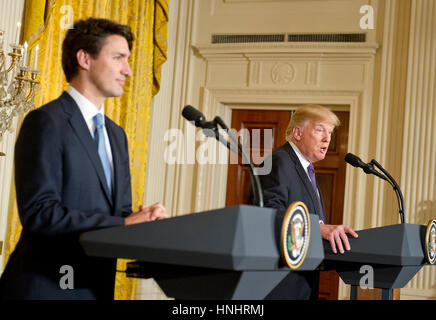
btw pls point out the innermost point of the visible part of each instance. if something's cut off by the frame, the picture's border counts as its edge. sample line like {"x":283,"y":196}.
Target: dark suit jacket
{"x":62,"y":192}
{"x":286,"y":183}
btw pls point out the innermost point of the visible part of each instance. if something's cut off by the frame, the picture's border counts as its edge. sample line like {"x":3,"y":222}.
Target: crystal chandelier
{"x":18,"y":84}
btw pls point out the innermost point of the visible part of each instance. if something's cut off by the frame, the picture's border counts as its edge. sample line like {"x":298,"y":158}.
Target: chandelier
{"x":18,"y":84}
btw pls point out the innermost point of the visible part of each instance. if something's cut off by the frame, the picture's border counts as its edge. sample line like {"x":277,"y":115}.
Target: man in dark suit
{"x":292,"y":178}
{"x":72,"y":173}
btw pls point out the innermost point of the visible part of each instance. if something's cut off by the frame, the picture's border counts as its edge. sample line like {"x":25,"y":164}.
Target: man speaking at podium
{"x":292,"y":178}
{"x":72,"y":172}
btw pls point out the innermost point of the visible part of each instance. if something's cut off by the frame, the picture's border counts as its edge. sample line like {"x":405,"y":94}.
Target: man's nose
{"x":127,"y":71}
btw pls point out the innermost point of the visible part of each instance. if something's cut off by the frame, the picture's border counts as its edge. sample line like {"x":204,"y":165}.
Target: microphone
{"x":210,"y":129}
{"x":355,"y":161}
{"x":397,"y":190}
{"x":193,"y":115}
{"x":368,"y":168}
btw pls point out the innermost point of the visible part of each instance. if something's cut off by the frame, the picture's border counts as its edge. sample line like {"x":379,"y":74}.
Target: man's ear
{"x":296,"y":133}
{"x":83,"y":59}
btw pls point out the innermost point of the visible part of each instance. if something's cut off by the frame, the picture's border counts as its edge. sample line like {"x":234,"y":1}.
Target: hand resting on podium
{"x":337,"y":236}
{"x":146,"y":214}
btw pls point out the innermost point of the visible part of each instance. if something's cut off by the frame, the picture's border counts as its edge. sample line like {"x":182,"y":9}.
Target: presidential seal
{"x":295,"y":234}
{"x":430,"y":242}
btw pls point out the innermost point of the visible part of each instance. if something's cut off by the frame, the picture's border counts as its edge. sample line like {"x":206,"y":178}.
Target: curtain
{"x":45,"y":23}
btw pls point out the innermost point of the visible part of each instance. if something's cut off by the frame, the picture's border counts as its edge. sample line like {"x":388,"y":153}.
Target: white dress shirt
{"x":89,"y":110}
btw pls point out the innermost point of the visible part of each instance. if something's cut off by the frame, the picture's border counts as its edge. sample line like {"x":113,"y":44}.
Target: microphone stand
{"x":245,"y":158}
{"x":397,"y":190}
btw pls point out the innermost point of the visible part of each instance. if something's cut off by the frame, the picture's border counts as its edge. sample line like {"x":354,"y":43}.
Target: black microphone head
{"x":192,"y":114}
{"x":354,"y":160}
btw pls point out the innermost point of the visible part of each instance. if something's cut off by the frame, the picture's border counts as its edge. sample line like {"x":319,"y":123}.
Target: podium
{"x":230,"y":253}
{"x":391,"y":254}
{"x":235,"y":253}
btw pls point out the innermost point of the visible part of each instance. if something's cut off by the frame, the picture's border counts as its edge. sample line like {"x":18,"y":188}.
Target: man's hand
{"x":146,"y":214}
{"x":337,"y":235}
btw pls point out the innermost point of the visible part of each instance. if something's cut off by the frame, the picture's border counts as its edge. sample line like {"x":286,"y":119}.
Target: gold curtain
{"x":45,"y":24}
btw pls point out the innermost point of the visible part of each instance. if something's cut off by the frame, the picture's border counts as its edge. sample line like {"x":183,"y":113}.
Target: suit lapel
{"x":81,"y":130}
{"x":305,"y":179}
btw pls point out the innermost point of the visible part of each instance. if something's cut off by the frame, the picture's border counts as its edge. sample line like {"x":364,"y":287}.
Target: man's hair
{"x":307,"y":113}
{"x":89,"y":35}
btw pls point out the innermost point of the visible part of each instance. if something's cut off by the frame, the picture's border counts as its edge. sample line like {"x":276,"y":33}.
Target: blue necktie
{"x":311,"y":172}
{"x":99,"y":140}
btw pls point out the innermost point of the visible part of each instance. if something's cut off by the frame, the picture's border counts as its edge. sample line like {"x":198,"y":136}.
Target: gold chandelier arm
{"x":33,"y":83}
{"x":15,"y":59}
{"x":31,"y":93}
{"x":20,"y":85}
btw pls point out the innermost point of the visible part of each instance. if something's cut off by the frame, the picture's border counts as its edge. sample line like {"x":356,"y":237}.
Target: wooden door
{"x":330,"y":172}
{"x":238,"y":178}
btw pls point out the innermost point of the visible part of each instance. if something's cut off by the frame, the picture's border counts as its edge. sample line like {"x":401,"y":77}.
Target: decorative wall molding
{"x":418,"y":171}
{"x":362,"y":49}
{"x":282,"y":73}
{"x":337,"y":67}
{"x":312,"y":73}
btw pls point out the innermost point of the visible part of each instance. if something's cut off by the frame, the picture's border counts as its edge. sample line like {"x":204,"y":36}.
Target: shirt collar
{"x":88,"y":109}
{"x":304,"y":162}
